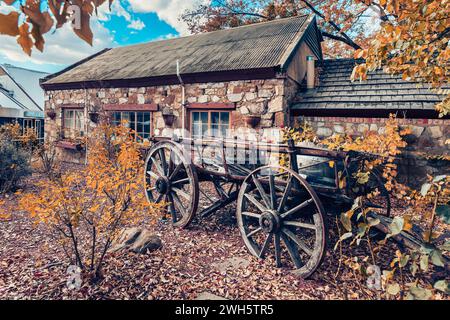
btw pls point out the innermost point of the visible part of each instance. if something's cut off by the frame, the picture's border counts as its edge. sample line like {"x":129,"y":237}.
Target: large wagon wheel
{"x":171,"y":178}
{"x":279,"y":213}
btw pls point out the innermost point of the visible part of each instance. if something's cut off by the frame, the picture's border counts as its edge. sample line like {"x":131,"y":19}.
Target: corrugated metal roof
{"x":261,"y":45}
{"x":20,"y":90}
{"x":379,"y":91}
{"x":28,"y":80}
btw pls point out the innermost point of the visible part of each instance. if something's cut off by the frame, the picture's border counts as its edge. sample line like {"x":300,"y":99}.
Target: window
{"x":35,"y":126}
{"x":210,"y":123}
{"x":139,"y":122}
{"x":74,"y":123}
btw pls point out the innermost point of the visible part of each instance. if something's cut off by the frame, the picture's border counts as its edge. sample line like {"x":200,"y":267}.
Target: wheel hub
{"x":269,"y":222}
{"x":162,"y":185}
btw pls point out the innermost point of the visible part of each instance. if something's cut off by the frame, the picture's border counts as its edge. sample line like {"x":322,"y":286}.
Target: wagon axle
{"x":163,"y":185}
{"x":269,"y":222}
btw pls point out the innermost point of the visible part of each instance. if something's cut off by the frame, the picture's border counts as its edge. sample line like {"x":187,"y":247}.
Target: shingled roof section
{"x":258,"y":46}
{"x":380,"y":91}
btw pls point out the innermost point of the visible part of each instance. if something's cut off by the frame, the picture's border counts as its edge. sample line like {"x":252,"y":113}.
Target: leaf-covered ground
{"x":32,"y":266}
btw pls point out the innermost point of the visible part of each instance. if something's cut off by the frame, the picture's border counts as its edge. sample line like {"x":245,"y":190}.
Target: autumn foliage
{"x":414,"y":41}
{"x":88,"y":207}
{"x":36,"y":23}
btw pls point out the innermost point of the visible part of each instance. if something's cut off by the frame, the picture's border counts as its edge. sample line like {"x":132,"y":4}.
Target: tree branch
{"x":348,"y":40}
{"x":342,"y":39}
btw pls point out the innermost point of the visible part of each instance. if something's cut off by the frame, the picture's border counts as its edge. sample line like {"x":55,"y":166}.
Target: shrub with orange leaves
{"x":89,"y":206}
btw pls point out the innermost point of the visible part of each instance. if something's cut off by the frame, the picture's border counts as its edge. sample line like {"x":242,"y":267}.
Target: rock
{"x":136,"y":240}
{"x":234,"y":262}
{"x":339,"y":129}
{"x":250,"y":96}
{"x":276,"y":105}
{"x":141,"y":99}
{"x":256,"y":108}
{"x":363,"y":128}
{"x":192,"y":99}
{"x":435,"y":131}
{"x":324,"y":132}
{"x":235,"y":97}
{"x":209,"y":296}
{"x":417,"y":131}
{"x":265,"y":94}
{"x":203,"y":99}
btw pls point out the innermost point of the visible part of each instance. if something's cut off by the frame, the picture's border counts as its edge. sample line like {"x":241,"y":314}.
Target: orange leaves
{"x":9,"y":24}
{"x":412,"y":43}
{"x":42,"y":22}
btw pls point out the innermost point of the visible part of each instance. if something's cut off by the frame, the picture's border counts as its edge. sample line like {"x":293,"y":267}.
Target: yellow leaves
{"x":413,"y":44}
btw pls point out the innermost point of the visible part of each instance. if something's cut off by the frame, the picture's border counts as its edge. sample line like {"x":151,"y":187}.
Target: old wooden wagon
{"x":279,"y":210}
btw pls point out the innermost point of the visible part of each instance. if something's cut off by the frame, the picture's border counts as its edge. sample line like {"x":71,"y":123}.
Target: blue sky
{"x":129,"y":22}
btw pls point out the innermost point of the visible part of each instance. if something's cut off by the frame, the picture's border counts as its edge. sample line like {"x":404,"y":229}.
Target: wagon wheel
{"x":280,"y":214}
{"x":171,"y":178}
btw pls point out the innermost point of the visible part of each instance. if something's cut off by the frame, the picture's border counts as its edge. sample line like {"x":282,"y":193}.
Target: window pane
{"x":225,"y":118}
{"x":215,"y":116}
{"x":195,"y":117}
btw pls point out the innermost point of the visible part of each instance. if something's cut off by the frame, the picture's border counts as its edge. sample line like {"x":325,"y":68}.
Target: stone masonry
{"x":267,"y":98}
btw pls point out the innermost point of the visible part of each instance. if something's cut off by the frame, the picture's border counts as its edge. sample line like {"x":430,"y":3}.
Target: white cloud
{"x":136,"y":25}
{"x":167,"y":10}
{"x":62,"y":47}
{"x":118,"y":10}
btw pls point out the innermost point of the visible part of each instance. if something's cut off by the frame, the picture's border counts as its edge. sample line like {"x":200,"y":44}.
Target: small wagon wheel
{"x":279,"y":213}
{"x":171,"y":178}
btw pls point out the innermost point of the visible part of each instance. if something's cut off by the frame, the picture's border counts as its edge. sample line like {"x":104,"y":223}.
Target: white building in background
{"x":22,"y":98}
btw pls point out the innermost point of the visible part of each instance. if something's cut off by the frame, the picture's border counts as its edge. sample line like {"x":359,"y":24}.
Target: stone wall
{"x":427,"y":140}
{"x":251,"y":97}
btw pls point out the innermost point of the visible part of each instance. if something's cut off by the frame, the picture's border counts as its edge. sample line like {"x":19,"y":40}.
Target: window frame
{"x":209,"y":124}
{"x":112,"y":120}
{"x":83,"y":123}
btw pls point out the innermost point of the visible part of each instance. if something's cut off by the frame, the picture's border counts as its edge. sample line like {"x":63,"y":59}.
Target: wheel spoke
{"x":177,"y":200}
{"x":171,"y":163}
{"x":158,"y":167}
{"x":265,"y":246}
{"x":261,"y":191}
{"x":297,"y":208}
{"x":176,"y":171}
{"x":162,"y":157}
{"x":273,"y":195}
{"x":277,"y":250}
{"x":299,"y":242}
{"x":286,"y":193}
{"x":293,"y":253}
{"x":159,"y":199}
{"x":256,"y":202}
{"x":251,"y":214}
{"x":182,"y":193}
{"x":172,"y":208}
{"x":153,"y":175}
{"x":300,"y":224}
{"x":186,"y":180}
{"x":254,"y":232}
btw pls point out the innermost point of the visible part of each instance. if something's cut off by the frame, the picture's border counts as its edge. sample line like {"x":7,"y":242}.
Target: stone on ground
{"x":209,"y":296}
{"x":234,"y":263}
{"x":136,"y":240}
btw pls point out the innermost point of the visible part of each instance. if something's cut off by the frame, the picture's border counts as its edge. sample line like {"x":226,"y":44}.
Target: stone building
{"x":267,"y":75}
{"x":203,"y":82}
